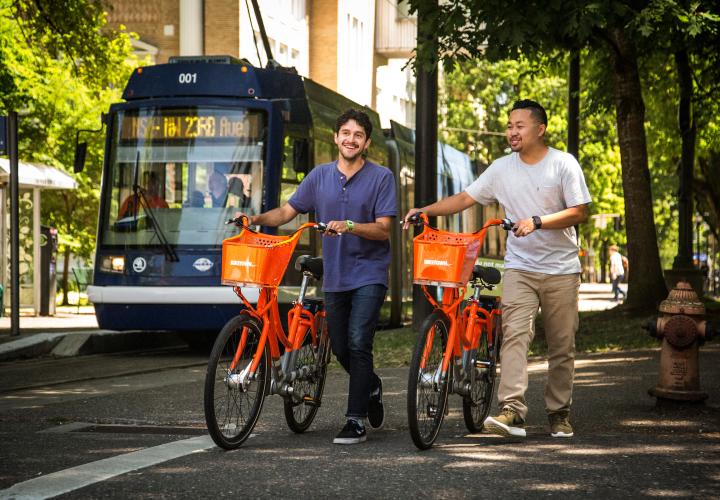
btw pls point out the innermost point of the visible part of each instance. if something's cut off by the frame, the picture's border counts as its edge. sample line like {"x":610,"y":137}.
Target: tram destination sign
{"x":191,"y":125}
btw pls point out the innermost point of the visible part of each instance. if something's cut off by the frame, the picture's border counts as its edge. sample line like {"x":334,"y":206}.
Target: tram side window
{"x":292,"y":174}
{"x":324,"y":152}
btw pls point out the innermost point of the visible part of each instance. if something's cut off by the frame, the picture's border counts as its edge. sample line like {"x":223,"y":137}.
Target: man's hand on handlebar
{"x":523,"y":228}
{"x":325,"y":229}
{"x":409,"y":219}
{"x":242,"y":220}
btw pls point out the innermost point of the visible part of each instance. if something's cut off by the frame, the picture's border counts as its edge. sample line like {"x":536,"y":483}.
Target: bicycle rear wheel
{"x":476,"y":405}
{"x":302,"y":406}
{"x":427,"y":397}
{"x":233,"y":401}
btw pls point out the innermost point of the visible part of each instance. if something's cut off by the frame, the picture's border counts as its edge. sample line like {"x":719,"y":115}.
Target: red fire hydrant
{"x":682,"y":328}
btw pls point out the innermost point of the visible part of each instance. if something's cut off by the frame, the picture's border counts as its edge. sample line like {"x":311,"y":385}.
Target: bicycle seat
{"x":312,"y":265}
{"x":489,"y":275}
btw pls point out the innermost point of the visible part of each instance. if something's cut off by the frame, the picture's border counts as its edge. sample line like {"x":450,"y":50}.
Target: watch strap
{"x":536,"y":220}
{"x":350,"y":225}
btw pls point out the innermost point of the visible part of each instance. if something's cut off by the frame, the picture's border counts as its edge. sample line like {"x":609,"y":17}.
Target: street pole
{"x":14,"y":225}
{"x":425,"y":134}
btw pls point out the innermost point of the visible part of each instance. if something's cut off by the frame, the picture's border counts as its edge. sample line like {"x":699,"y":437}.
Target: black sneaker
{"x":376,"y":410}
{"x":352,"y":433}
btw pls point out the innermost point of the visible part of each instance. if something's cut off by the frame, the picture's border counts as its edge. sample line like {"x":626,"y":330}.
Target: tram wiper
{"x":169,"y":250}
{"x":140,"y":194}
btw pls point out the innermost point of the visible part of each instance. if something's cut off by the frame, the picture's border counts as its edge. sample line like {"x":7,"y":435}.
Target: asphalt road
{"x":142,"y":436}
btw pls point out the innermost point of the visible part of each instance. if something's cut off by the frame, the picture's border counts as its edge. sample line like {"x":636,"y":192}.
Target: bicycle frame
{"x":299,"y":319}
{"x":466,"y":327}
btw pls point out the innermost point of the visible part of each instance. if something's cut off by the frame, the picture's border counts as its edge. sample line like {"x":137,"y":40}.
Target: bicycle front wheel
{"x":311,"y":364}
{"x":427,"y":392}
{"x":233,"y":397}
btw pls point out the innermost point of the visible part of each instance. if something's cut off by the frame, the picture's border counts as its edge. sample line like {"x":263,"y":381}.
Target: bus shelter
{"x":33,"y":178}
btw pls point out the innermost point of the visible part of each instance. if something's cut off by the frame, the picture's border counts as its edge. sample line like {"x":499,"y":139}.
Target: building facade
{"x":355,"y":47}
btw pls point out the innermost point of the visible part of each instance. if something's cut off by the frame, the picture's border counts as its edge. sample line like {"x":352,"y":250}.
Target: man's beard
{"x":351,"y":158}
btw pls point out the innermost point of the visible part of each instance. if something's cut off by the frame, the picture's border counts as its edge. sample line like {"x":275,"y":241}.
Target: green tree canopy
{"x":616,"y":31}
{"x":60,"y":69}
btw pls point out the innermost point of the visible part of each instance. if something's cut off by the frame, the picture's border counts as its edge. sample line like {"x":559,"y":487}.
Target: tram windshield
{"x":178,"y":174}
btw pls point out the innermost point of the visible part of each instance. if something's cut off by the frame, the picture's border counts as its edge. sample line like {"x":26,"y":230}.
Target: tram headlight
{"x":113,"y":264}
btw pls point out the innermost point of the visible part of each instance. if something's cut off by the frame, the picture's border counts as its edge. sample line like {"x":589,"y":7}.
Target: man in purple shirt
{"x":356,"y":198}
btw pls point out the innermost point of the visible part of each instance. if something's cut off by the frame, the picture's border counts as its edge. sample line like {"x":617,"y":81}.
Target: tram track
{"x":19,"y":376}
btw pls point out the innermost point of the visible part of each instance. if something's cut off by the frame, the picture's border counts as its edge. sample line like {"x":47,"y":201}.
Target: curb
{"x":81,"y":343}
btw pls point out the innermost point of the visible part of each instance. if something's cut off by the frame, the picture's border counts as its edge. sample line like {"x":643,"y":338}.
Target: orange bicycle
{"x":246,"y":363}
{"x":458,"y":343}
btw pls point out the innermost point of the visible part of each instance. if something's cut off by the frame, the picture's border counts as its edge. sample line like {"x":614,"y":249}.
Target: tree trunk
{"x":686,"y":123}
{"x":646,"y":286}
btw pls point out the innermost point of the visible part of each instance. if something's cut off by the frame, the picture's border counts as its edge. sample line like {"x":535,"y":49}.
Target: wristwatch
{"x":536,"y":220}
{"x":350,"y":225}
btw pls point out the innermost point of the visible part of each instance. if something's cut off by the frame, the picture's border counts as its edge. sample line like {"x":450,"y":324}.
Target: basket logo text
{"x":432,"y":262}
{"x":242,"y":263}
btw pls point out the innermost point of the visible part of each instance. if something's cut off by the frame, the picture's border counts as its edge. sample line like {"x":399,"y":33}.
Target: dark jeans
{"x":616,"y":286}
{"x":352,"y":317}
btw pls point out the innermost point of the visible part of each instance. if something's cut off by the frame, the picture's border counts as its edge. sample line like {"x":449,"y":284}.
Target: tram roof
{"x":223,"y":76}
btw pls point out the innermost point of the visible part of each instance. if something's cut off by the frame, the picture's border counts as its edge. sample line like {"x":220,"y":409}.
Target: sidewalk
{"x":70,"y":333}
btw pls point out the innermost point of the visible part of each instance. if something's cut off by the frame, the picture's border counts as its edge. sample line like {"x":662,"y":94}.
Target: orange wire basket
{"x":256,"y":259}
{"x":444,"y":259}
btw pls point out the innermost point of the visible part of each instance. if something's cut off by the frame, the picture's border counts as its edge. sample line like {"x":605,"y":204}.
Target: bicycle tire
{"x":299,"y":415}
{"x":476,"y":407}
{"x":426,"y":403}
{"x":230,"y":412}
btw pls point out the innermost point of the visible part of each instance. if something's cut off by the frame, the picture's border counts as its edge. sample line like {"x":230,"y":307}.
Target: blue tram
{"x":198,"y":139}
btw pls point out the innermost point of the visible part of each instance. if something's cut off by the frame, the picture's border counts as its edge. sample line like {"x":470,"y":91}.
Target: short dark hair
{"x":360,"y":117}
{"x":536,"y":110}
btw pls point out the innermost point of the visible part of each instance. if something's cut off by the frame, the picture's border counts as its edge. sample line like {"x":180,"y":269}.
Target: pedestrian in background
{"x":617,"y":271}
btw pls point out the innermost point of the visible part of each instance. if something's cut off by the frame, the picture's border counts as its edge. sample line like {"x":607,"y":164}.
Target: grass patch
{"x":600,"y":331}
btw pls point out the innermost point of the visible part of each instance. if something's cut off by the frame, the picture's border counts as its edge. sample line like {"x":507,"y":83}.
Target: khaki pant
{"x":557,"y":295}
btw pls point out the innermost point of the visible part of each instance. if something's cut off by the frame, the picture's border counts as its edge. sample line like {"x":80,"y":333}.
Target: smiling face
{"x":351,"y":140}
{"x":524,"y":132}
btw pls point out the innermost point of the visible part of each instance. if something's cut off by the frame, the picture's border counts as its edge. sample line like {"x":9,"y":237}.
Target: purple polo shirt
{"x":350,"y":261}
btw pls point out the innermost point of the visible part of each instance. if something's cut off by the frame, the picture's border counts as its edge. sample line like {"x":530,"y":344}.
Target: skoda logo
{"x":139,"y":264}
{"x":203,"y":264}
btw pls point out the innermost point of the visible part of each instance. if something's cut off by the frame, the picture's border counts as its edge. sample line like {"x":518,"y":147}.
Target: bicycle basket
{"x":444,"y":259}
{"x":255,"y":259}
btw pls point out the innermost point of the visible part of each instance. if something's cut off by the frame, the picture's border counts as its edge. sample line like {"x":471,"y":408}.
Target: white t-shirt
{"x":553,"y":184}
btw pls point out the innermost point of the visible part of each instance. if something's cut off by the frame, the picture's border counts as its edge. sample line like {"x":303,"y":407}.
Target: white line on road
{"x":74,"y":478}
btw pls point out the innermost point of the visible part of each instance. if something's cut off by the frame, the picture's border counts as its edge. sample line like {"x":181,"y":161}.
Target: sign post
{"x":9,"y":145}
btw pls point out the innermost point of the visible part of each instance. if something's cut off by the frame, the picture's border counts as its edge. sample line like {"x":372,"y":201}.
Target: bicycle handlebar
{"x":420,"y":219}
{"x":244,"y":222}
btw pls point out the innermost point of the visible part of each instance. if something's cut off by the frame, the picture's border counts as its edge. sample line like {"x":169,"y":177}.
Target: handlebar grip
{"x":322,"y":227}
{"x":242,"y":221}
{"x":416,"y":219}
{"x":507,"y":224}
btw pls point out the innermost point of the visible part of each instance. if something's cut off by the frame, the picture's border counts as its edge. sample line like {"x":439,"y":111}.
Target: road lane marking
{"x":67,"y":480}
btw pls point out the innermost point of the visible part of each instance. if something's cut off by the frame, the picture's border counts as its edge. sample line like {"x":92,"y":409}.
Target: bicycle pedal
{"x":310,"y":401}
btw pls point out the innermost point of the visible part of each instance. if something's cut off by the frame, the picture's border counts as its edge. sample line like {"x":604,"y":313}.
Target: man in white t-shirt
{"x":543,"y":190}
{"x":617,"y":271}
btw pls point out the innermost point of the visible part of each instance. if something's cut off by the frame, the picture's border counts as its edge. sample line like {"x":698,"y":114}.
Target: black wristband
{"x":536,"y":220}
